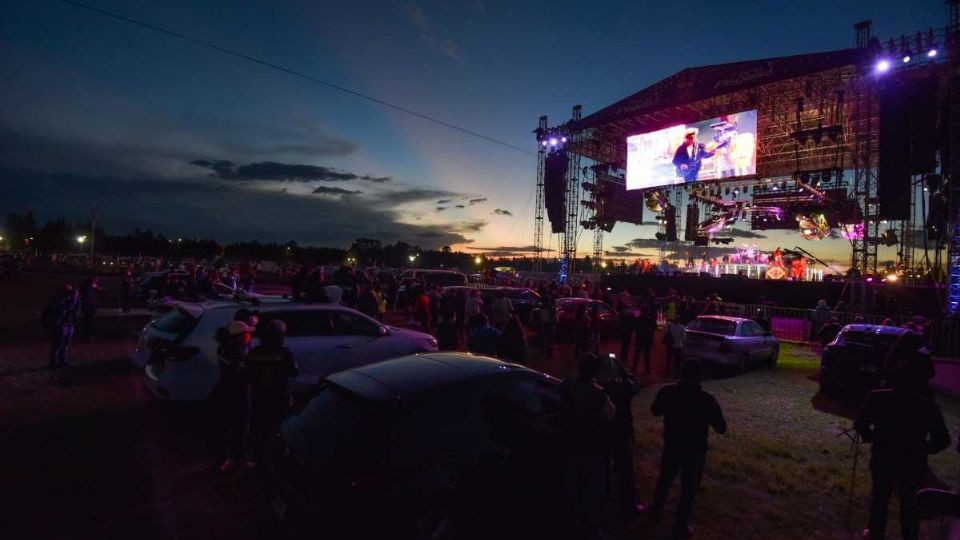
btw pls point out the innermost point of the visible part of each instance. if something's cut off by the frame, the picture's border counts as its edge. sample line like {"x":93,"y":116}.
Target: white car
{"x":179,"y":353}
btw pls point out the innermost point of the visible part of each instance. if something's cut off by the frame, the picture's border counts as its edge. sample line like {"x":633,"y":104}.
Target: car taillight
{"x":725,"y":346}
{"x":180,"y":354}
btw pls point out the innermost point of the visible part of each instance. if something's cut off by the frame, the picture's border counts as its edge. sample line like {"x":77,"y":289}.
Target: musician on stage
{"x":689,"y":157}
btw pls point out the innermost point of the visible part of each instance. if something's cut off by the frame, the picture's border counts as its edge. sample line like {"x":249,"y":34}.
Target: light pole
{"x":80,"y":240}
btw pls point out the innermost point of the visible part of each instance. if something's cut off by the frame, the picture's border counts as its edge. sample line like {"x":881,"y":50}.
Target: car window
{"x":177,"y":322}
{"x":750,"y":329}
{"x":301,"y":322}
{"x":713,"y":326}
{"x":351,"y":324}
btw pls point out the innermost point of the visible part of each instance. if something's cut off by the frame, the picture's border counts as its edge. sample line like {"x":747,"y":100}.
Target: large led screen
{"x":715,"y":149}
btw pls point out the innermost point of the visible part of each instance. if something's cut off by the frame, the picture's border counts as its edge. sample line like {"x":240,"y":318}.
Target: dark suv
{"x":853,"y":363}
{"x":426,"y":446}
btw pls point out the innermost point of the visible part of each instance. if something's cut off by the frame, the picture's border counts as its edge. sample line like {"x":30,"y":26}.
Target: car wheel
{"x":774,"y":355}
{"x":743,"y":363}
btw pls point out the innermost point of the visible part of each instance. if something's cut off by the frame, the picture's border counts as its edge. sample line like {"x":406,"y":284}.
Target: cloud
{"x":327,"y":190}
{"x":477,"y":201}
{"x":508,"y":251}
{"x":273,"y":171}
{"x":443,"y":201}
{"x":416,"y":17}
{"x":215,"y":208}
{"x":409,"y":195}
{"x":500,"y":212}
{"x":742,"y":233}
{"x":461,"y":206}
{"x":441,"y":208}
{"x":640,"y":243}
{"x":471,"y":226}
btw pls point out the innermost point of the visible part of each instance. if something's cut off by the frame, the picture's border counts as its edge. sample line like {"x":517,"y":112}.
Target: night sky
{"x":162,"y":134}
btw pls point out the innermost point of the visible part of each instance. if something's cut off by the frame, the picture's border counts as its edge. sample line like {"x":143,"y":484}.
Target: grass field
{"x":783,"y":469}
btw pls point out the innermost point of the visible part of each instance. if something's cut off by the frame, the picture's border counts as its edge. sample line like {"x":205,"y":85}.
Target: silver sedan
{"x":731,"y":341}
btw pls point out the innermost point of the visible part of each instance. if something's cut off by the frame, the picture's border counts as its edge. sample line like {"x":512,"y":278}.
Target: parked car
{"x":731,"y":341}
{"x":179,"y":353}
{"x":853,"y":363}
{"x":525,"y":301}
{"x":445,"y":445}
{"x":567,"y":311}
{"x":159,"y":284}
{"x":444,"y":278}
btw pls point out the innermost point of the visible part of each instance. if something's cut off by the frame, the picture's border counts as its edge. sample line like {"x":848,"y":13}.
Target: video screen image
{"x":715,"y":149}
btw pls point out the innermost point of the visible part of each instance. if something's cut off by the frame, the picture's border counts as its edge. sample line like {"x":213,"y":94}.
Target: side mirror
{"x":383,"y":331}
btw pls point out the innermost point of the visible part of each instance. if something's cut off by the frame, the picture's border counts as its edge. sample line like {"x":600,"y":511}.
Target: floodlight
{"x":882,"y":66}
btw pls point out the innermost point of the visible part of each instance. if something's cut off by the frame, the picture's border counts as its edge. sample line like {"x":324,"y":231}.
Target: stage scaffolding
{"x":538,"y":219}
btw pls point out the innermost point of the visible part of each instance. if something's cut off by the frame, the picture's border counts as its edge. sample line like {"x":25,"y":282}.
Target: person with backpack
{"x":58,"y":320}
{"x":271,"y":366}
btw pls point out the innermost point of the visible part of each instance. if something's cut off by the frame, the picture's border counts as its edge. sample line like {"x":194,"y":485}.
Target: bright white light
{"x":553,"y":142}
{"x":545,"y":143}
{"x":478,"y":259}
{"x":563,"y":139}
{"x":906,"y":58}
{"x":931,"y":53}
{"x":892,"y":277}
{"x":81,"y":239}
{"x":883,"y":66}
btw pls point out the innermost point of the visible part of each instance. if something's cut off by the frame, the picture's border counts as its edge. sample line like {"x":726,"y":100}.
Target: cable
{"x":289,"y":71}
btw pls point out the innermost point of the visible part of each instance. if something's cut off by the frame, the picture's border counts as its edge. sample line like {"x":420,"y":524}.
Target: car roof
{"x":723,"y":318}
{"x":875,"y":329}
{"x":407,"y":375}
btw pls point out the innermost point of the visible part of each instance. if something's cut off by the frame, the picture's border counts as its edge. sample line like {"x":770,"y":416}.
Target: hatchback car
{"x":430,"y":446}
{"x":179,"y":353}
{"x":853,"y":363}
{"x":731,"y":341}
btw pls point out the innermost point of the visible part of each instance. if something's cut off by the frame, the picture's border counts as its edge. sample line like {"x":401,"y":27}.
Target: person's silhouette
{"x":688,"y":411}
{"x":903,"y":427}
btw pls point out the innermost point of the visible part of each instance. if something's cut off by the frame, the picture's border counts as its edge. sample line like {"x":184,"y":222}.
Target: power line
{"x":295,"y":73}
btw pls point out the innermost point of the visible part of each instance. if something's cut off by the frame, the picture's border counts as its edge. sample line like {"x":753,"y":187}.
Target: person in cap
{"x":230,"y":394}
{"x":58,"y":320}
{"x":689,"y":157}
{"x":271,"y":366}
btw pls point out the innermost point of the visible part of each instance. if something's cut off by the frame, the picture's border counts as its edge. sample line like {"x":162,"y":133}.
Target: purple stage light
{"x":882,"y":66}
{"x":544,"y":143}
{"x":906,"y":58}
{"x":563,"y":139}
{"x":931,"y":53}
{"x":553,"y":142}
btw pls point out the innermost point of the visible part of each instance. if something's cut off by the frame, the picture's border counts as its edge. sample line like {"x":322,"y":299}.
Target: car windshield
{"x":177,"y":322}
{"x":714,"y":326}
{"x":881,"y":341}
{"x":332,"y":427}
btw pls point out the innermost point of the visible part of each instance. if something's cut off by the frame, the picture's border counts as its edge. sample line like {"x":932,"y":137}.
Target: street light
{"x":81,"y":239}
{"x":478,"y":260}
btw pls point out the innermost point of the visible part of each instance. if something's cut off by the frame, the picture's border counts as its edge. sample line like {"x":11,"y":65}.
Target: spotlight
{"x":563,"y":139}
{"x":545,"y":143}
{"x":882,"y":66}
{"x":553,"y":142}
{"x":906,"y":58}
{"x":932,"y":53}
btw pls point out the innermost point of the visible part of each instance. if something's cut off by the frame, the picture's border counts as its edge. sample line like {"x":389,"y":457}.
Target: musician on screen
{"x":689,"y":157}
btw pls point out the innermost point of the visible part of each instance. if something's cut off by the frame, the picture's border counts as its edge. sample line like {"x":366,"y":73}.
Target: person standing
{"x":126,"y":290}
{"x":513,"y":347}
{"x":367,"y":302}
{"x":820,"y":316}
{"x":230,"y":394}
{"x":627,"y":325}
{"x":688,"y":412}
{"x":472,"y":308}
{"x":271,"y":367}
{"x":500,"y":311}
{"x":548,"y":325}
{"x":484,"y":338}
{"x":88,"y":304}
{"x":58,"y":319}
{"x":674,"y":336}
{"x":619,"y":386}
{"x":581,"y":332}
{"x":588,"y":414}
{"x":646,"y":328}
{"x":903,"y":428}
{"x":448,"y":337}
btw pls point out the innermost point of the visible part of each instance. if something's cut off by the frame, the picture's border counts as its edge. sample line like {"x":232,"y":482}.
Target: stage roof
{"x":700,"y":83}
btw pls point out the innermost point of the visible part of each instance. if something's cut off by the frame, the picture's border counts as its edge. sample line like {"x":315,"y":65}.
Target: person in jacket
{"x":620,"y":388}
{"x":645,"y":328}
{"x":485,"y":338}
{"x":230,"y":395}
{"x":820,"y":316}
{"x":903,"y":428}
{"x":513,"y":347}
{"x":58,"y":320}
{"x":688,"y":412}
{"x":88,"y":305}
{"x":271,"y":367}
